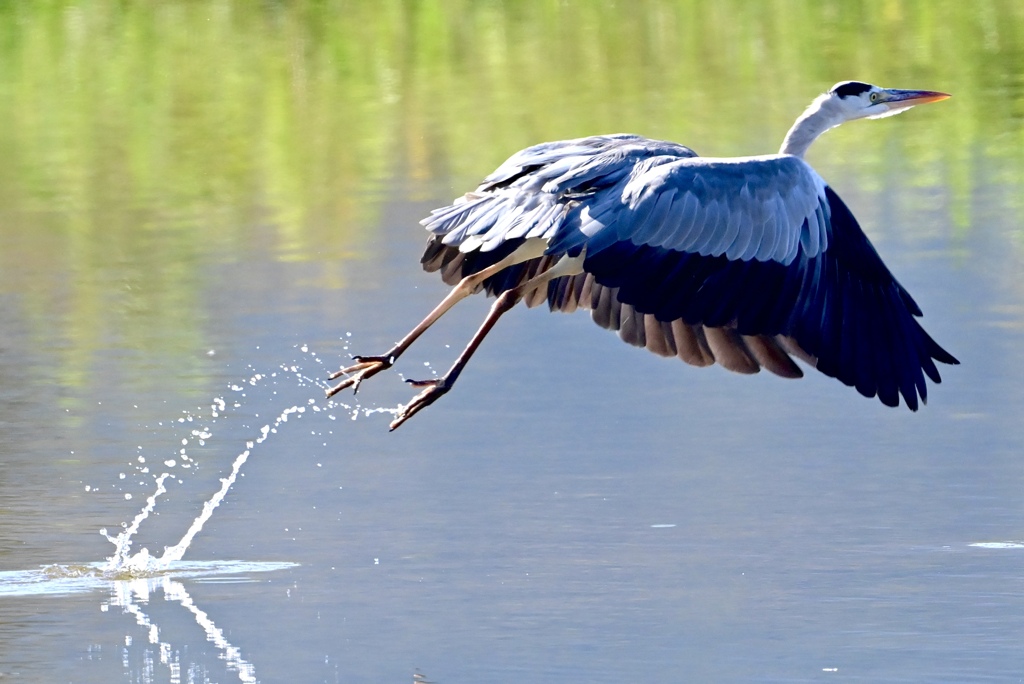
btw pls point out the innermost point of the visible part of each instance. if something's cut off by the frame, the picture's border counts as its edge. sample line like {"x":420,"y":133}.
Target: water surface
{"x":220,"y":202}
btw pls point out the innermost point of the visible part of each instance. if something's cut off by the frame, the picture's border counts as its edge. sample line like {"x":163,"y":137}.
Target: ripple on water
{"x":76,"y":578}
{"x":998,"y":545}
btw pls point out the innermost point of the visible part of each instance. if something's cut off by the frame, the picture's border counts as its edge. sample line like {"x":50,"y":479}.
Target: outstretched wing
{"x":761,"y":248}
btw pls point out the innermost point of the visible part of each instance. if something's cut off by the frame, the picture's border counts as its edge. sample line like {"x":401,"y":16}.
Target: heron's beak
{"x":902,"y":99}
{"x":898,"y":101}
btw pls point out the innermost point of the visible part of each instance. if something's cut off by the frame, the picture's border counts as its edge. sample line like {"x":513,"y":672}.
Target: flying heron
{"x":744,"y":261}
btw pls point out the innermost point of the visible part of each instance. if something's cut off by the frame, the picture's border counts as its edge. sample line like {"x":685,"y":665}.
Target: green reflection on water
{"x":141,"y":141}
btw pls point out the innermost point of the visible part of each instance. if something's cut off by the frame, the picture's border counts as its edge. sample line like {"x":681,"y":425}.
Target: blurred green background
{"x":143,"y":141}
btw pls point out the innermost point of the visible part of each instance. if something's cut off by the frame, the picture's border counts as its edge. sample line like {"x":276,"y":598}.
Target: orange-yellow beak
{"x":901,"y":99}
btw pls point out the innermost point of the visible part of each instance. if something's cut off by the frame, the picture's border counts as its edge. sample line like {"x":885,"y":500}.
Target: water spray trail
{"x":175,"y":553}
{"x":144,"y":561}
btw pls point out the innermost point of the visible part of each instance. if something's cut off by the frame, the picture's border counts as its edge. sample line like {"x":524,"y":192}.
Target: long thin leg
{"x":368,"y":366}
{"x":436,"y":388}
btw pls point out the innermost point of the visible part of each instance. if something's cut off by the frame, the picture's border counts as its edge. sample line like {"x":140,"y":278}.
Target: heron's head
{"x":846,"y":101}
{"x":858,"y":100}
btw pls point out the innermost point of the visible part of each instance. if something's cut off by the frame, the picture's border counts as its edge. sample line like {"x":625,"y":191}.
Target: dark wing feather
{"x":842,"y":306}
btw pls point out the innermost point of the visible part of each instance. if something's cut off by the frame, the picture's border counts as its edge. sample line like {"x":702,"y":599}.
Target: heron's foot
{"x":432,"y":391}
{"x":363,"y":368}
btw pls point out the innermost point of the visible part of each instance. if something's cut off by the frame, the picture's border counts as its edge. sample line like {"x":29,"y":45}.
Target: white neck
{"x":824,"y":113}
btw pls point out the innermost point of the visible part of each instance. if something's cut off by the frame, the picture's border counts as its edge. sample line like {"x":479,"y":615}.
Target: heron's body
{"x":746,"y":262}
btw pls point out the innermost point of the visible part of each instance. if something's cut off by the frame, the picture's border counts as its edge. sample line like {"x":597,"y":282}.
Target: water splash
{"x":121,"y":560}
{"x":123,"y":564}
{"x":176,"y":552}
{"x":132,"y":579}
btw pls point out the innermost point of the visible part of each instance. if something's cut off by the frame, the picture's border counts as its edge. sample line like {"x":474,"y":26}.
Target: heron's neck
{"x":822,"y":115}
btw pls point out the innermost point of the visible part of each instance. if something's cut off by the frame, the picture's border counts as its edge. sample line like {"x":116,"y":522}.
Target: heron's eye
{"x":874,"y":97}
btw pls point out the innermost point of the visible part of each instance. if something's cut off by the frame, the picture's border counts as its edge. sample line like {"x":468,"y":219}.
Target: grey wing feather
{"x":537,"y":190}
{"x":763,"y":208}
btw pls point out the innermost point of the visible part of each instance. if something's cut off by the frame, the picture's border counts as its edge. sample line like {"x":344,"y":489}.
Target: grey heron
{"x":744,"y":261}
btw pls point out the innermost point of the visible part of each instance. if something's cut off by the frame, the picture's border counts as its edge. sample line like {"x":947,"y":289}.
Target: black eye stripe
{"x":850,"y":88}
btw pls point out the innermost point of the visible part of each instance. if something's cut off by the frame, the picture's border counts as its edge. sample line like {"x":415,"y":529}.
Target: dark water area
{"x":188,"y":252}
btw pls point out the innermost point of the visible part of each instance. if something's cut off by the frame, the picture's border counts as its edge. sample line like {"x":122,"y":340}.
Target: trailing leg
{"x":434,"y":389}
{"x":368,"y":366}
